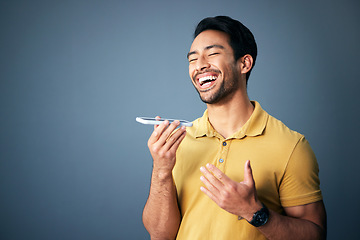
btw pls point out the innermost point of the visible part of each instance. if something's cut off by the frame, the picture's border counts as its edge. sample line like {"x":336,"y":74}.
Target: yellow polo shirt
{"x":284,"y":167}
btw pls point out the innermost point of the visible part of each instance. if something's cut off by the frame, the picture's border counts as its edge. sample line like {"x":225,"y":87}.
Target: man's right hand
{"x":163,"y":143}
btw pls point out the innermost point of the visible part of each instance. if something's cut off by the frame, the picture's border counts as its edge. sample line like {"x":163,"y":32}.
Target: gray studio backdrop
{"x":74,"y":75}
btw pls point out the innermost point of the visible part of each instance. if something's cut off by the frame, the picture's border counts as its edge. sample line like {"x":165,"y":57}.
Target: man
{"x":202,"y":185}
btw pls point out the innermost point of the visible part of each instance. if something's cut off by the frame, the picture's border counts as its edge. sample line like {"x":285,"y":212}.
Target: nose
{"x":202,"y":64}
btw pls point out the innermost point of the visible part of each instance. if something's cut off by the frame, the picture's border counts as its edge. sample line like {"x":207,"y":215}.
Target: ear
{"x":246,"y":63}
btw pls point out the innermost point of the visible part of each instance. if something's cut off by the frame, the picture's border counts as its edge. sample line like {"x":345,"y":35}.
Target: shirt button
{"x":224,"y":143}
{"x":221,"y":160}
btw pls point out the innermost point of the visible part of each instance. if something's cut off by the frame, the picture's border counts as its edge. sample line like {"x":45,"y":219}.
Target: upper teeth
{"x":207,"y":78}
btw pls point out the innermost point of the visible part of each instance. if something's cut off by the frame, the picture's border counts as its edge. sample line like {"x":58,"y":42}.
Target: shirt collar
{"x":253,"y":127}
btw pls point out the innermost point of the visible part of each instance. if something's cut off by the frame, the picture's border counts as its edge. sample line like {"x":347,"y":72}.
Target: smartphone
{"x":154,"y":121}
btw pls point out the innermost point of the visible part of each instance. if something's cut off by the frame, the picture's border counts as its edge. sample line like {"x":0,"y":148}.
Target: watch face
{"x":260,"y":217}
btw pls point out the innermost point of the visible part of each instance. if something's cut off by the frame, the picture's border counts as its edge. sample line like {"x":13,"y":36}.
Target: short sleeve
{"x":300,"y":184}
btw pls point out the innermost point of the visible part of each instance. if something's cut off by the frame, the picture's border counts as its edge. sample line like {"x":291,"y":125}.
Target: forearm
{"x":284,"y":227}
{"x":161,"y":215}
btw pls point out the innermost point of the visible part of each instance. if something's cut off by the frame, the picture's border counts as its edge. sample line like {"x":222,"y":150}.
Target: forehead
{"x":209,"y":38}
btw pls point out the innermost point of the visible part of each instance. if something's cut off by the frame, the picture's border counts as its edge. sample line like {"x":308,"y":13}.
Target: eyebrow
{"x":206,"y":48}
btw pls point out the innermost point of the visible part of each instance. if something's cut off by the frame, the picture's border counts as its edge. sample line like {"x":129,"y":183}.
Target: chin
{"x":210,"y":99}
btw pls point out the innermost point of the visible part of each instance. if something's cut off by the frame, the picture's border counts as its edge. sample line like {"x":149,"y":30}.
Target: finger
{"x":209,"y":194}
{"x":175,"y":139}
{"x":169,"y":130}
{"x":158,"y":119}
{"x":163,"y":132}
{"x":248,"y":176}
{"x":158,"y":132}
{"x":210,"y":187}
{"x":211,"y":178}
{"x":218,"y":174}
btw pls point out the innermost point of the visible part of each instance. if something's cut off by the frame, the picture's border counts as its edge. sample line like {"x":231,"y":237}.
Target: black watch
{"x":260,"y":217}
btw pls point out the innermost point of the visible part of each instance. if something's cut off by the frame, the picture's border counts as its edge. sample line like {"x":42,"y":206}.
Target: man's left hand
{"x":238,"y":198}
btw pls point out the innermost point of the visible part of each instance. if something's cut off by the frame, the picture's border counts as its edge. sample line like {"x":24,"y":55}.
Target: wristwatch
{"x":260,"y":217}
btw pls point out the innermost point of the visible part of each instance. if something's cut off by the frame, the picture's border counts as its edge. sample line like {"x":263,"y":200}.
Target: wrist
{"x":252,"y":210}
{"x":260,"y":217}
{"x":162,"y":174}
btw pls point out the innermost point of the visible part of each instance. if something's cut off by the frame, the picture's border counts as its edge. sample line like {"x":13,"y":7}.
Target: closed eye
{"x":192,"y":60}
{"x":213,"y":54}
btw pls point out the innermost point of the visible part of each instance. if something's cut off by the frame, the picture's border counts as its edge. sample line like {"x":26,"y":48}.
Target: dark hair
{"x":242,"y":40}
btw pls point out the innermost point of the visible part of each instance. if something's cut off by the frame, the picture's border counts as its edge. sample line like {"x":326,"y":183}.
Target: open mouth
{"x":207,"y":81}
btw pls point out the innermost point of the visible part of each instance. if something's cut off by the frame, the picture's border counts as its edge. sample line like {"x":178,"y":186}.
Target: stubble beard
{"x":225,"y":90}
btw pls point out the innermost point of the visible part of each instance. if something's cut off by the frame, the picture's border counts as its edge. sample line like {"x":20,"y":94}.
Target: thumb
{"x":248,"y":176}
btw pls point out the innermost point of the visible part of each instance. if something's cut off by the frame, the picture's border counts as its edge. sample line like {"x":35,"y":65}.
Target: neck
{"x":228,"y":117}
